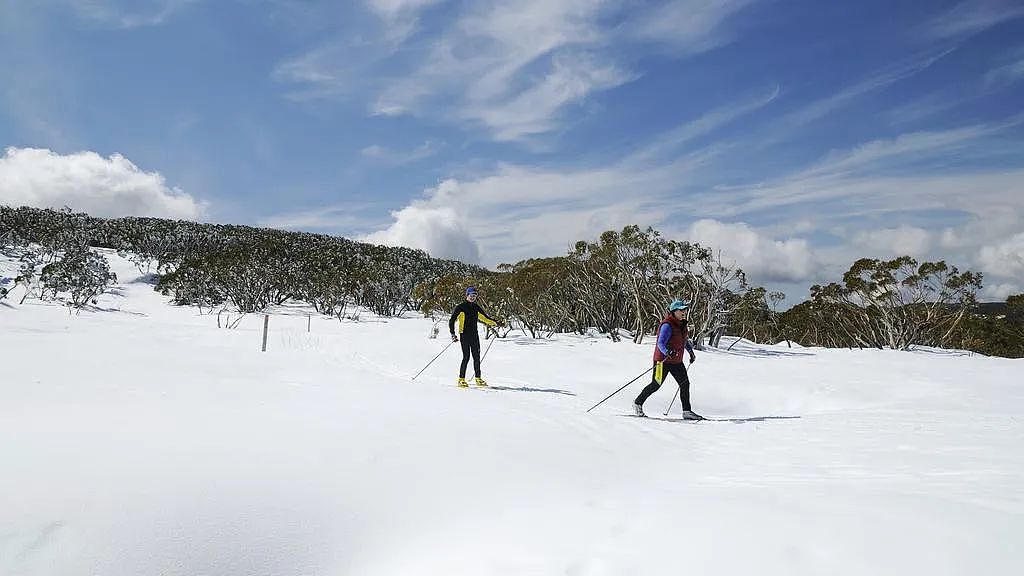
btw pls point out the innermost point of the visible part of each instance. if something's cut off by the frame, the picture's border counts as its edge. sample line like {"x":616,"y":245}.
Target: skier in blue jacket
{"x":673,"y":338}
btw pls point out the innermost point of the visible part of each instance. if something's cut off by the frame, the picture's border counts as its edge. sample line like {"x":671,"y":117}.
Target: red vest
{"x":677,"y":342}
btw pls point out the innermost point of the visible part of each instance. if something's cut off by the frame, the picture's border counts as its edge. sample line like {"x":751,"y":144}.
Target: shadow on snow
{"x":708,"y":419}
{"x":528,"y":389}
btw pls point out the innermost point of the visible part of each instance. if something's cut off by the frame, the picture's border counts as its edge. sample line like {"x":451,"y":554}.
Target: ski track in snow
{"x":138,"y":438}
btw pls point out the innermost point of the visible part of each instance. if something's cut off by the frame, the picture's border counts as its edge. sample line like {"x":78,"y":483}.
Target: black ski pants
{"x":678,"y":371}
{"x":470,"y":345}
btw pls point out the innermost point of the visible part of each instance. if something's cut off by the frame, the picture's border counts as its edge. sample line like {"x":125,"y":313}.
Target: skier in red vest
{"x":673,"y":337}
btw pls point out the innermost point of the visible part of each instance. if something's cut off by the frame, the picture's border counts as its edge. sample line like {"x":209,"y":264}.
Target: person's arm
{"x":664,"y":335}
{"x":483,"y":317}
{"x":455,"y":316}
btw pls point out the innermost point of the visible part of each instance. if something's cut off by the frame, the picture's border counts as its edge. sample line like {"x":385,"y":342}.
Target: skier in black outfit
{"x":467,"y":314}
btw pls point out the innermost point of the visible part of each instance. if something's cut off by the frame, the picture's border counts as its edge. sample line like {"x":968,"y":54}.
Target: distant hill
{"x":992,"y":308}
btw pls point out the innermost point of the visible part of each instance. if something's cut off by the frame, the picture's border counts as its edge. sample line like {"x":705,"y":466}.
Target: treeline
{"x":618,"y":284}
{"x":211,"y":265}
{"x":622,"y":283}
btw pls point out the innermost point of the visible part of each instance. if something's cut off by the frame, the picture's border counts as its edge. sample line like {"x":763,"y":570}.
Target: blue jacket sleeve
{"x":664,"y":335}
{"x":689,"y":346}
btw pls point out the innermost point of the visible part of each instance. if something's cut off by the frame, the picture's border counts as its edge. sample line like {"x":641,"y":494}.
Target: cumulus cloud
{"x":1000,"y":292}
{"x":438,"y":230}
{"x":1004,"y":259}
{"x":88,"y":182}
{"x":761,"y":257}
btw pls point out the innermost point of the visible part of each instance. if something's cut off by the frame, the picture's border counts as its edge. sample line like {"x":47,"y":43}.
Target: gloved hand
{"x":455,"y":338}
{"x":693,"y":357}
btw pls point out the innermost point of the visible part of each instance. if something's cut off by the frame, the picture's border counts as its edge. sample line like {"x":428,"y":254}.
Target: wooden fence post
{"x":266,"y":321}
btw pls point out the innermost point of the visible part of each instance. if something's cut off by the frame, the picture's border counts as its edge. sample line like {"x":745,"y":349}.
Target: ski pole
{"x":621,"y":389}
{"x":488,"y":349}
{"x":435,"y":358}
{"x":669,"y":409}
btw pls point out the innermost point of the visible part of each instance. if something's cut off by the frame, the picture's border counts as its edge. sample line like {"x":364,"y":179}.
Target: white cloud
{"x":822,"y":107}
{"x":123,"y":14}
{"x":375,"y":151}
{"x":393,"y":10}
{"x":519,"y":212}
{"x":440,"y":231}
{"x":1000,"y":292}
{"x":535,"y":110}
{"x":323,"y":73}
{"x":512,"y":68}
{"x":707,"y":123}
{"x":387,"y":155}
{"x":972,"y":16}
{"x":515,"y":211}
{"x":689,"y":26}
{"x":344,"y":218}
{"x":889,"y":176}
{"x":88,"y":182}
{"x":349,"y":62}
{"x":991,"y":243}
{"x":762,"y":258}
{"x":1006,"y":74}
{"x":900,"y":241}
{"x":899,"y":149}
{"x":918,"y":109}
{"x":1004,"y":259}
{"x":401,"y":17}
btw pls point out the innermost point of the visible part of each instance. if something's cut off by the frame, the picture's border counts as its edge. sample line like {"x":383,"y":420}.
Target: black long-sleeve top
{"x":467,"y":314}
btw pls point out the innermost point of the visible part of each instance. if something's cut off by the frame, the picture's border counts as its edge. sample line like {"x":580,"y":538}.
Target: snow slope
{"x":141,"y":439}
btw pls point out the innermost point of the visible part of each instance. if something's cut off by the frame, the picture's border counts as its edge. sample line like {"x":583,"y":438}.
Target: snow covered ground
{"x":140,"y":439}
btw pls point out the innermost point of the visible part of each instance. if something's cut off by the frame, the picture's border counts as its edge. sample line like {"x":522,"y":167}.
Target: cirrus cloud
{"x":513,"y":69}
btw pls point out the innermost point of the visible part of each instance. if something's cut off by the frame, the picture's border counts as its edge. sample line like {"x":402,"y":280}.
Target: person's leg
{"x":651,"y":388}
{"x":679,"y":373}
{"x":475,"y":348}
{"x":465,"y":356}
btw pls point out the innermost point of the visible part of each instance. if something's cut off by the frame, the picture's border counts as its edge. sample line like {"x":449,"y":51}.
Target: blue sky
{"x":794,"y":136}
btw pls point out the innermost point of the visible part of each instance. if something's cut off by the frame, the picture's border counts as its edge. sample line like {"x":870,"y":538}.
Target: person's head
{"x":679,"y":308}
{"x":471,"y":294}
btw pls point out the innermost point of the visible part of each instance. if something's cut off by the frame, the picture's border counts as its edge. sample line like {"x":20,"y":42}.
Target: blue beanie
{"x":678,"y":305}
{"x":470,"y":290}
